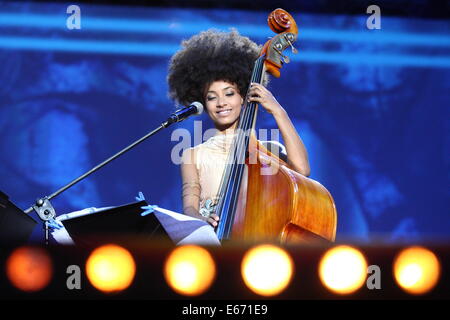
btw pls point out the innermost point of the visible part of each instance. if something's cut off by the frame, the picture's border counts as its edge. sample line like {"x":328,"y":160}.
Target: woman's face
{"x":223,"y":104}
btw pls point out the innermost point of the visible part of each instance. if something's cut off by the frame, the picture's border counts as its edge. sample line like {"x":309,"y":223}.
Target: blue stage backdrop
{"x":372,"y":107}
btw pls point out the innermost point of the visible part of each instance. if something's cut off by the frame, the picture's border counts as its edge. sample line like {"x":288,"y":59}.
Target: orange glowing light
{"x":190,"y":270}
{"x":110,"y":268}
{"x":29,"y":269}
{"x":343,"y":269}
{"x":267,"y":270}
{"x":416,"y":270}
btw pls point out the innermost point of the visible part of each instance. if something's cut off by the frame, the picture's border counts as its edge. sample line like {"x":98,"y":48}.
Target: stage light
{"x":416,"y":270}
{"x":29,"y":269}
{"x":110,"y":268}
{"x":343,"y":269}
{"x":267,"y":269}
{"x":190,"y":270}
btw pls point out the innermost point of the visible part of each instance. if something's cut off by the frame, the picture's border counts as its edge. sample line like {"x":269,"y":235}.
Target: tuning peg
{"x":288,"y":38}
{"x":294,"y":50}
{"x":285,"y":58}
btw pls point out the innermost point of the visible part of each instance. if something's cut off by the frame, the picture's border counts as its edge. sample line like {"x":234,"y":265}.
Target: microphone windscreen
{"x":199,"y":107}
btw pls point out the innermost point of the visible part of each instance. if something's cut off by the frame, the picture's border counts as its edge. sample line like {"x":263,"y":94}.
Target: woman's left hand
{"x":259,"y":94}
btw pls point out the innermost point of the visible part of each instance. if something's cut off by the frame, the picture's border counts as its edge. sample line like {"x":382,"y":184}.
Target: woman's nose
{"x":220,"y":102}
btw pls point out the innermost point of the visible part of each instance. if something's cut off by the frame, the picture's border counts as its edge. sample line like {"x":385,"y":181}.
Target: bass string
{"x":241,"y":147}
{"x":231,"y":181}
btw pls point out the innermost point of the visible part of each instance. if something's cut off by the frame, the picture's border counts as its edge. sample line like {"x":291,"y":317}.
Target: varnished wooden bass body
{"x":277,"y":203}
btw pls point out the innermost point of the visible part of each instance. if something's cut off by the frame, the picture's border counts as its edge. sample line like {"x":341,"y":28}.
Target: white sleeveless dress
{"x":211,"y":159}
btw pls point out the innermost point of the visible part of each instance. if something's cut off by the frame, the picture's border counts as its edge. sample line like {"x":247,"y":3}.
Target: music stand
{"x":116,"y":224}
{"x":15,"y":225}
{"x":44,"y":208}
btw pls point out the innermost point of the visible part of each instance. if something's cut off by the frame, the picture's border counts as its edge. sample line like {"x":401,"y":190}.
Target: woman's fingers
{"x":257,"y":98}
{"x":258,"y":93}
{"x":258,"y":87}
{"x":261,"y":95}
{"x":213,"y":220}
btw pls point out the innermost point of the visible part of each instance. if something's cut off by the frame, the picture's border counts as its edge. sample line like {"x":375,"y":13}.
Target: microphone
{"x":181,"y":114}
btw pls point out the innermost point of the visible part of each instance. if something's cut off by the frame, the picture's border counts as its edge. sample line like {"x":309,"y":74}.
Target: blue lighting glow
{"x":75,"y":45}
{"x":148,"y":47}
{"x":167,"y":49}
{"x":185,"y":28}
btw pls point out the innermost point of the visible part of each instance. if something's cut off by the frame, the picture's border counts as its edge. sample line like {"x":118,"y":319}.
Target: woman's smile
{"x":224,"y":113}
{"x":223,"y":103}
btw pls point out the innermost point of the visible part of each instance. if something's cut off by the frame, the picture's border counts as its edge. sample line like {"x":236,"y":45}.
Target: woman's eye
{"x":230,"y":94}
{"x":210,"y":98}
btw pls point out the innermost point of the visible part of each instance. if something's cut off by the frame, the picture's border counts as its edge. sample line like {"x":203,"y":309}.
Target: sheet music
{"x":182,"y":229}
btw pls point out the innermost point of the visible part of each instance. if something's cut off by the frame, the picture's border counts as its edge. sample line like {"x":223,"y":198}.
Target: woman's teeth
{"x":224,"y":112}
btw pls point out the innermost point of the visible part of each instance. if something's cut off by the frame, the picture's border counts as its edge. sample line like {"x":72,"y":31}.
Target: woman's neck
{"x":228,"y":130}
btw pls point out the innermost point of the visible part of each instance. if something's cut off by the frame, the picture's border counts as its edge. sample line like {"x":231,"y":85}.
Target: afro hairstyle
{"x":207,"y":57}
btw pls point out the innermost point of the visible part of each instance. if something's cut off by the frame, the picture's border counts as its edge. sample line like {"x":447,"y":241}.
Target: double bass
{"x":260,"y":197}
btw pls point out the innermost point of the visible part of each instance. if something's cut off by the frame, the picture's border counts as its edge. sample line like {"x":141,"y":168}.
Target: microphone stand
{"x":44,"y":208}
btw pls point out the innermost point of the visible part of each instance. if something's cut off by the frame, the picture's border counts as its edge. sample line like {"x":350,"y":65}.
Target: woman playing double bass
{"x":238,"y":184}
{"x":215,"y":68}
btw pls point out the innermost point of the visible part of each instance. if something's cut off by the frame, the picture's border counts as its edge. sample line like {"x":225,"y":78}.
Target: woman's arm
{"x":191,"y":188}
{"x":296,"y":151}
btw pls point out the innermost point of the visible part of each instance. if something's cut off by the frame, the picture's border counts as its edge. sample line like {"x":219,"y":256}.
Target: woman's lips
{"x":223,"y":113}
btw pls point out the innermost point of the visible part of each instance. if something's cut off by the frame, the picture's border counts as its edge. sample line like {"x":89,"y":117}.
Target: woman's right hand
{"x":213,"y":219}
